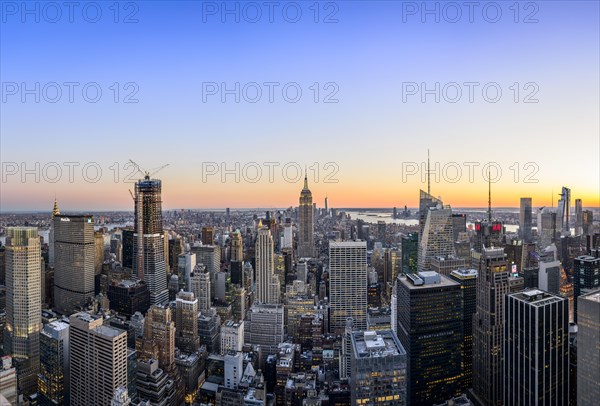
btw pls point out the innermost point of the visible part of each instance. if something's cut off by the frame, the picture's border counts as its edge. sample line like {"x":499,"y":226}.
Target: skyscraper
{"x":437,"y":238}
{"x":564,"y":211}
{"x":547,"y":227}
{"x":55,"y":212}
{"x":265,"y":266}
{"x":74,"y":270}
{"x":53,"y":380}
{"x":586,"y":277}
{"x":468,"y":283}
{"x":237,"y":246}
{"x":208,"y":235}
{"x":348,"y":284}
{"x":306,"y":225}
{"x":8,"y":381}
{"x":488,"y":325}
{"x":430,"y":328}
{"x":200,"y":287}
{"x":378,"y":365}
{"x":159,"y":337}
{"x":536,"y":349}
{"x":525,"y":219}
{"x":578,"y":217}
{"x":23,"y":305}
{"x":186,"y":322}
{"x":149,"y":240}
{"x":98,"y":355}
{"x":588,"y":349}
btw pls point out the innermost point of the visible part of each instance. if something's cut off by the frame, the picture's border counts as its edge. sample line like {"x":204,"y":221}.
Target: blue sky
{"x":368,"y":54}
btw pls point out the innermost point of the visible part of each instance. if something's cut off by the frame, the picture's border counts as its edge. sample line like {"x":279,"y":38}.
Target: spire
{"x":428,"y":173}
{"x":489,"y":196}
{"x":305,"y":178}
{"x":260,"y":223}
{"x":55,"y":210}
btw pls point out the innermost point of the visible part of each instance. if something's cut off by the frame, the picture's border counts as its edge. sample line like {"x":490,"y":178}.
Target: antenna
{"x":489,"y":196}
{"x":552,"y":198}
{"x":428,"y":175}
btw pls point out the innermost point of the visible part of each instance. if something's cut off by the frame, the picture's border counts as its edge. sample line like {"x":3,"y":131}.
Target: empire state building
{"x":306,"y":217}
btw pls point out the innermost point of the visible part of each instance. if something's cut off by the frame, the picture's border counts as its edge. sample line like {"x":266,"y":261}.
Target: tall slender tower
{"x":525,"y":219}
{"x":186,"y":322}
{"x":306,"y":222}
{"x":23,"y":305}
{"x":149,"y":240}
{"x":74,"y":262}
{"x":564,"y":211}
{"x":237,"y":244}
{"x":488,"y":325}
{"x":265,"y":266}
{"x":55,"y":212}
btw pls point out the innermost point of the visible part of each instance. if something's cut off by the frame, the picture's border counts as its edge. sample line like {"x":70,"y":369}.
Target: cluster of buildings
{"x":304,"y":306}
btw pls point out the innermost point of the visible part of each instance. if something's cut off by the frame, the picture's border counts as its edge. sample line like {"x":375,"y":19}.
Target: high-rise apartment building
{"x":348,"y":284}
{"x":430,"y":328}
{"x":98,"y":360}
{"x":588,"y":349}
{"x":23,"y":305}
{"x":536,"y":349}
{"x":378,"y":369}
{"x":488,"y":325}
{"x":74,"y":270}
{"x":306,"y":223}
{"x":149,"y":262}
{"x":232,"y":336}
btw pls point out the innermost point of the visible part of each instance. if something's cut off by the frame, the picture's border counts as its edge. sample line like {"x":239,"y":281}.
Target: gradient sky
{"x":369,"y":53}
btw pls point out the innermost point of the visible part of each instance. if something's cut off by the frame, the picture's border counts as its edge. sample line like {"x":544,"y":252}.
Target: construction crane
{"x":147,"y":174}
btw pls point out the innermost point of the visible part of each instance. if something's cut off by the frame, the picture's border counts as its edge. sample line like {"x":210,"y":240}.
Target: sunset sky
{"x":364,"y":61}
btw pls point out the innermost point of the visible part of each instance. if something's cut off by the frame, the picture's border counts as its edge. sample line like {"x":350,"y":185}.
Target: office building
{"x":525,"y":221}
{"x":493,"y":284}
{"x":149,"y":262}
{"x":578,"y":217}
{"x":588,"y":349}
{"x":379,"y":368}
{"x":208,"y":235}
{"x":234,"y":369}
{"x":548,"y":274}
{"x":200,"y":287}
{"x":55,"y":212}
{"x":232,"y":336}
{"x":348,"y":284}
{"x":186,"y":322}
{"x":306,"y":223}
{"x":563,"y":214}
{"x":468,"y":283}
{"x":185,"y":267}
{"x":209,"y":323}
{"x":159,"y":337}
{"x":586,"y":277}
{"x":410,"y":247}
{"x":237,"y":246}
{"x":154,"y":385}
{"x":23,"y":305}
{"x":74,"y":271}
{"x":176,"y":248}
{"x":98,"y":360}
{"x":265,"y":266}
{"x":128,"y":296}
{"x":437,"y":238}
{"x":8,"y":381}
{"x":536,"y":349}
{"x":430,"y":328}
{"x":53,"y":380}
{"x":264,"y":326}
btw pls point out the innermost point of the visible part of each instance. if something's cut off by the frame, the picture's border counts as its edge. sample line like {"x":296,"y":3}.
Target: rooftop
{"x":425,"y":280}
{"x":593,"y":296}
{"x":371,"y":344}
{"x":537,"y":297}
